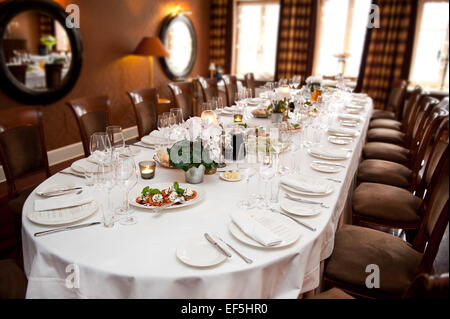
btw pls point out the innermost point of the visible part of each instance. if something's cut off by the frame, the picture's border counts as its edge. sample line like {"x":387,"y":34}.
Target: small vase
{"x":211,"y":171}
{"x":195,"y":175}
{"x":276,"y":117}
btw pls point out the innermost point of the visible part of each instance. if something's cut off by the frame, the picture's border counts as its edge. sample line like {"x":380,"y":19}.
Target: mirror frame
{"x":10,"y":85}
{"x":162,"y":35}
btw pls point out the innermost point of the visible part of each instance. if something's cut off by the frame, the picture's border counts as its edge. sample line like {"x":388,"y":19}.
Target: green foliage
{"x":147,"y":191}
{"x":198,"y":155}
{"x":279,"y":107}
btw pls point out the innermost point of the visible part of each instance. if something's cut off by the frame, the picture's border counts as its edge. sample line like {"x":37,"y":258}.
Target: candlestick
{"x":210,"y":117}
{"x":147,"y":169}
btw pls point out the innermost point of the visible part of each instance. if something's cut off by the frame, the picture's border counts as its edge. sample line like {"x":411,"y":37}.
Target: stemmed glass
{"x":100,"y":146}
{"x":178,"y":114}
{"x":163,"y":124}
{"x":116,"y":139}
{"x":105,"y":179}
{"x":267,"y":171}
{"x":247,"y":168}
{"x":127,"y":177}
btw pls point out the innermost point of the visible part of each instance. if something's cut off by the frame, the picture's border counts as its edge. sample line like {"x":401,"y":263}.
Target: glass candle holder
{"x":147,"y":169}
{"x":238,"y":118}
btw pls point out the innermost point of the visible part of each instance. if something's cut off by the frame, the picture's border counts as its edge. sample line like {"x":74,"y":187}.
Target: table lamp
{"x":151,"y":47}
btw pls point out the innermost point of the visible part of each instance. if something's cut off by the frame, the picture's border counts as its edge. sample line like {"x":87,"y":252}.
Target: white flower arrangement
{"x":314,"y":80}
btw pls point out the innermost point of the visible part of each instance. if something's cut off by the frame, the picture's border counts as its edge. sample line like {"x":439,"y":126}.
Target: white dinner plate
{"x":155,"y":140}
{"x":311,"y":180}
{"x":285,"y":228}
{"x":136,"y":192}
{"x":299,"y":209}
{"x":63,"y":216}
{"x":161,"y":163}
{"x":324,"y":168}
{"x":83,"y":165}
{"x":222,"y":176}
{"x":343,"y":132}
{"x":198,"y":252}
{"x":54,"y":188}
{"x":345,"y":155}
{"x":340,"y":140}
{"x":350,"y":117}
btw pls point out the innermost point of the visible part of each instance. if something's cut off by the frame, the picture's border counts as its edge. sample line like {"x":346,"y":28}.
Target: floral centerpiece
{"x":277,"y":110}
{"x":314,"y":83}
{"x":49,"y":41}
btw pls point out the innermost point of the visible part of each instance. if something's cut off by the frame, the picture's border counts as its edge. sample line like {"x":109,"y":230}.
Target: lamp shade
{"x":151,"y":46}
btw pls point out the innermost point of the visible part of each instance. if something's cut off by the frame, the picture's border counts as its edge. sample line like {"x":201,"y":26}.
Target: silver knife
{"x":72,"y":174}
{"x":295,"y":220}
{"x":57,"y":230}
{"x":329,"y":164}
{"x":247,"y":260}
{"x":147,"y":147}
{"x":62,"y":191}
{"x":215,"y":244}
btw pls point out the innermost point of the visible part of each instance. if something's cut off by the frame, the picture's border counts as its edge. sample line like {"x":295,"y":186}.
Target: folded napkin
{"x":61,"y":202}
{"x":350,"y":117}
{"x":303,"y":186}
{"x":321,"y":151}
{"x":342,"y":131}
{"x":255,"y":230}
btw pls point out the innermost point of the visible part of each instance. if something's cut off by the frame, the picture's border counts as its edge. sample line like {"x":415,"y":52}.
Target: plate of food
{"x":162,"y":158}
{"x":165,"y":195}
{"x":230,"y":176}
{"x":260,"y":113}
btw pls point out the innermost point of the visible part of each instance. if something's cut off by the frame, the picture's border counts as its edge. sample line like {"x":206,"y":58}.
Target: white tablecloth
{"x":139,"y":261}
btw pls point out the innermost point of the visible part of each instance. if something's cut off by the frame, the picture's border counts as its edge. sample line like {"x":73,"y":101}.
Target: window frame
{"x":235,"y":39}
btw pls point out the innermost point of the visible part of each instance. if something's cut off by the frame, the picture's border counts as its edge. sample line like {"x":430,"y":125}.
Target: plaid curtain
{"x":388,"y":50}
{"x":220,"y":33}
{"x":296,"y":37}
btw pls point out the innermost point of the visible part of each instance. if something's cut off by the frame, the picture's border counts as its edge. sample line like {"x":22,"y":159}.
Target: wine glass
{"x":116,"y":140}
{"x":100,"y":146}
{"x":127,"y":177}
{"x":178,"y":113}
{"x":247,"y":168}
{"x":267,"y":171}
{"x":105,"y":179}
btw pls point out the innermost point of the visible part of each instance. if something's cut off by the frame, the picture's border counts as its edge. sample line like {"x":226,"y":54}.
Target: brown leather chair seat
{"x":16,"y":204}
{"x":385,"y":172}
{"x":383,"y":114}
{"x":387,"y":152}
{"x":387,"y":203}
{"x":386,"y":123}
{"x":13,"y":283}
{"x":386,"y":136}
{"x":357,"y":247}
{"x":333,"y":293}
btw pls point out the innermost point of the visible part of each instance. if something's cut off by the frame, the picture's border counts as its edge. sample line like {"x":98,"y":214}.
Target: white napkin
{"x":303,"y":186}
{"x":321,"y":151}
{"x":61,"y":202}
{"x":350,"y":117}
{"x":342,"y":131}
{"x":255,"y":230}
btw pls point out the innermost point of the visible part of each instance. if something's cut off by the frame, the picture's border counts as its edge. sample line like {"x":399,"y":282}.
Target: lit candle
{"x":285,"y":91}
{"x":147,"y":169}
{"x":238,"y":118}
{"x":210,"y":117}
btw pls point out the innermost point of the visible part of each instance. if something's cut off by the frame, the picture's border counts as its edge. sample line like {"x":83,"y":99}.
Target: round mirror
{"x":179,"y":39}
{"x":40,"y":58}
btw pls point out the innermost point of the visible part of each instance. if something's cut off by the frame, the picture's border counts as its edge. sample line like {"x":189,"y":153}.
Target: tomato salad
{"x":156,"y":197}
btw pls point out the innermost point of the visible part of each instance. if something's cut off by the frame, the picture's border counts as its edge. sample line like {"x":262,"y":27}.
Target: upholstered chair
{"x":249,"y":79}
{"x":145,"y":102}
{"x":13,"y":283}
{"x":183,"y":97}
{"x":209,"y":88}
{"x":231,"y":88}
{"x":394,"y":107}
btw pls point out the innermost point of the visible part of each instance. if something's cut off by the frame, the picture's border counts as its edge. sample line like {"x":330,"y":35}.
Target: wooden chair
{"x":13,"y":283}
{"x":22,"y":151}
{"x":91,"y":114}
{"x":53,"y":75}
{"x":183,"y":97}
{"x":249,"y":79}
{"x":409,"y":108}
{"x":19,"y":72}
{"x":209,"y":88}
{"x":399,"y":262}
{"x":427,"y":286}
{"x":145,"y":102}
{"x":394,"y":107}
{"x":231,"y":88}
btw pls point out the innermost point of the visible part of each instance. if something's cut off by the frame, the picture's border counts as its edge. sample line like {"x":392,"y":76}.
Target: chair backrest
{"x":427,"y":286}
{"x":444,"y":103}
{"x":53,"y":75}
{"x":183,"y":97}
{"x":250,"y":82}
{"x":22,"y":144}
{"x":434,"y":209}
{"x":144,"y":103}
{"x":209,"y":88}
{"x":425,"y":107}
{"x":231,"y":88}
{"x":411,"y":105}
{"x":91,"y":114}
{"x":396,"y":98}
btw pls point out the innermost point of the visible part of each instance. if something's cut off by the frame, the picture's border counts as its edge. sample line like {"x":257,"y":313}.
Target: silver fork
{"x":247,"y":260}
{"x":305,"y":201}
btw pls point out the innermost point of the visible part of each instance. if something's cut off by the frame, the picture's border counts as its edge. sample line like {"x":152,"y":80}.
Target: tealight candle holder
{"x":147,"y":169}
{"x":238,"y":118}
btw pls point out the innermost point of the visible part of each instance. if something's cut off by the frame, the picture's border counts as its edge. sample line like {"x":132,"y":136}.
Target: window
{"x":255,"y":38}
{"x":341,"y":35}
{"x":430,"y":59}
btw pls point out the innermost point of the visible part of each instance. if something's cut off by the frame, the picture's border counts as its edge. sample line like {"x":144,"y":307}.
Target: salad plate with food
{"x":165,"y":196}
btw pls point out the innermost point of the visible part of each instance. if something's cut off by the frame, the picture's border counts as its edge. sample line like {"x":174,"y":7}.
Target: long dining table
{"x":139,"y":261}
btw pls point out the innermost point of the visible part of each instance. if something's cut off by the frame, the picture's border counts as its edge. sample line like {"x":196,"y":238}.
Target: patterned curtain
{"x":388,"y":50}
{"x":296,"y":38}
{"x":220,"y":33}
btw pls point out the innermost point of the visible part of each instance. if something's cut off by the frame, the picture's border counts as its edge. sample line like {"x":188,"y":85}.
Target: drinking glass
{"x":163,"y":124}
{"x":247,"y":168}
{"x":267,"y":171}
{"x":105,"y":179}
{"x":178,"y":114}
{"x":116,"y":140}
{"x":127,"y":177}
{"x":100,"y":146}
